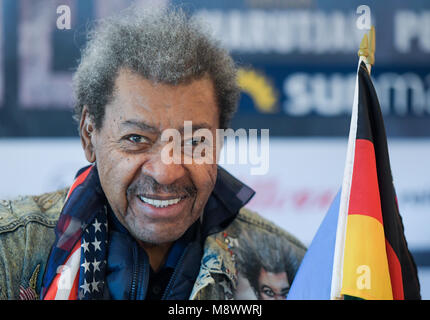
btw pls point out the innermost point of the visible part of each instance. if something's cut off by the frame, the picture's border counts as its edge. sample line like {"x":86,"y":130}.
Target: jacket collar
{"x":224,"y":203}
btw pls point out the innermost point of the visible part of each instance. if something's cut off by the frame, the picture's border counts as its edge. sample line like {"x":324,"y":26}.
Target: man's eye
{"x":268,"y":291}
{"x":137,"y":138}
{"x":195,"y":141}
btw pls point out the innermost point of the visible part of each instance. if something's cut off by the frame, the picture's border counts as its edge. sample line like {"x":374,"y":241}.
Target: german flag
{"x":376,"y":261}
{"x":360,"y":251}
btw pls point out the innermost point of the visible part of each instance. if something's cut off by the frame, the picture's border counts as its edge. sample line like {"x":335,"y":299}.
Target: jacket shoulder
{"x":252,"y":220}
{"x":44,"y":209}
{"x":26,"y":236}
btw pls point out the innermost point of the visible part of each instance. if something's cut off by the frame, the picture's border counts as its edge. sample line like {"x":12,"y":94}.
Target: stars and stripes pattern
{"x":93,"y":263}
{"x":77,"y":263}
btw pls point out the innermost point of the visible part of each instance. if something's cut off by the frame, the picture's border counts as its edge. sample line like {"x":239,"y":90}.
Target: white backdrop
{"x":304,"y":175}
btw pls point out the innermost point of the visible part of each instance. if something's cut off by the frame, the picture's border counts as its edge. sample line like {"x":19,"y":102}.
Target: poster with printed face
{"x":266,"y":263}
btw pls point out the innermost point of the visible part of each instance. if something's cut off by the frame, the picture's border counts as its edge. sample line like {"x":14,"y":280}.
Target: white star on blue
{"x":93,"y":258}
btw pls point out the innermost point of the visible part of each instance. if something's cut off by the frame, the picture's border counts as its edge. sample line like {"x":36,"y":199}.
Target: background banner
{"x":297,"y":62}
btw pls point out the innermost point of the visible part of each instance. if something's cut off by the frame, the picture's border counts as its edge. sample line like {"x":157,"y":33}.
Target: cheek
{"x":116,"y":174}
{"x":204,"y":177}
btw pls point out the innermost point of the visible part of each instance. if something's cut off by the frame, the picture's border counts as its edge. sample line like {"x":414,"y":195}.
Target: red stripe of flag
{"x":395,"y":273}
{"x":364,"y":197}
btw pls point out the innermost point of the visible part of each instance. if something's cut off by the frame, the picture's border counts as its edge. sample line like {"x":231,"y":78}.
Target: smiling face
{"x":155,"y":201}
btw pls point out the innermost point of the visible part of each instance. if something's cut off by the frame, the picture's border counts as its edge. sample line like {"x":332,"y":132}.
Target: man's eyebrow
{"x":197,"y":126}
{"x":147,"y":127}
{"x":140,"y":125}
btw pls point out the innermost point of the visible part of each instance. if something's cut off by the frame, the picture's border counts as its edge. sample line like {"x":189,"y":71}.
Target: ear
{"x":87,"y":130}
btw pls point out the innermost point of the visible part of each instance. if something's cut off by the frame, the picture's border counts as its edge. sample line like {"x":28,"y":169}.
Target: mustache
{"x":148,"y":185}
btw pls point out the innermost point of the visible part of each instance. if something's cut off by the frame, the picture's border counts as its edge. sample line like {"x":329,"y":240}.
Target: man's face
{"x":155,"y":201}
{"x":272,"y":286}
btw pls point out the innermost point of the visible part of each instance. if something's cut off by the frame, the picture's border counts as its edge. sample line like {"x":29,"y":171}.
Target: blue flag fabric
{"x":313,"y":279}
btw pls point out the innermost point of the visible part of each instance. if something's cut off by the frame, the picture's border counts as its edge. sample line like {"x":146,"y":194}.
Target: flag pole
{"x":366,"y":54}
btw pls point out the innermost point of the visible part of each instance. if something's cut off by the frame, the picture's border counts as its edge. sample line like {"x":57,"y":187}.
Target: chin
{"x":156,"y":235}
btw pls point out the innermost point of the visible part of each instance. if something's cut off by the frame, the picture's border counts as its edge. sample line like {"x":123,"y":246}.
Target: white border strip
{"x":337,"y":273}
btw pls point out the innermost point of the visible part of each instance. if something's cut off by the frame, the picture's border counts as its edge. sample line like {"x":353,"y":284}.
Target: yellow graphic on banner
{"x":259,"y":88}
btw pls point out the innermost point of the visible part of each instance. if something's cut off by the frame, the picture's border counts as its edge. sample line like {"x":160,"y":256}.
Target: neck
{"x":156,"y":253}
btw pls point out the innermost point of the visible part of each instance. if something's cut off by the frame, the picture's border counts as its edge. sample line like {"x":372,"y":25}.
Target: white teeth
{"x":160,"y":203}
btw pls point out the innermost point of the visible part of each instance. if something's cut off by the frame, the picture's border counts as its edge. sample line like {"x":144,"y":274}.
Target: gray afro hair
{"x":162,"y":45}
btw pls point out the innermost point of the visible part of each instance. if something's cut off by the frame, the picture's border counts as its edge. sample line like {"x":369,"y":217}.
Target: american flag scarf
{"x":77,"y":262}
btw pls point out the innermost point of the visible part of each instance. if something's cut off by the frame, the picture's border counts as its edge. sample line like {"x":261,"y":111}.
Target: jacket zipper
{"x":134,"y":278}
{"x":138,"y":269}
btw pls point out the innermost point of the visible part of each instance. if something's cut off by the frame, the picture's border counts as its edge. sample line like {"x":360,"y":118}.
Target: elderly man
{"x":133,"y":225}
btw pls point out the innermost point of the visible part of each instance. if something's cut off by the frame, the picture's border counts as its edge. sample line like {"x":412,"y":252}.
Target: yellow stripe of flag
{"x":365,"y":269}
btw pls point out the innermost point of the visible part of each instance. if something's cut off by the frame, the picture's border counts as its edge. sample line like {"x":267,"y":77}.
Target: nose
{"x":164,"y":173}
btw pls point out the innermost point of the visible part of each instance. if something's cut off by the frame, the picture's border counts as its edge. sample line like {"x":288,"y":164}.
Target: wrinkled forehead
{"x":163,"y":105}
